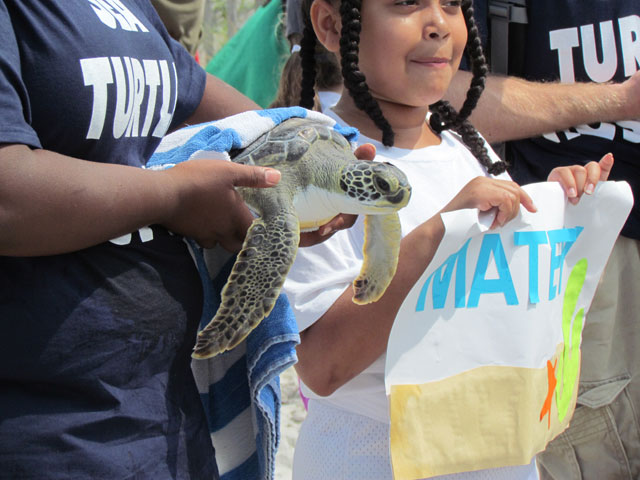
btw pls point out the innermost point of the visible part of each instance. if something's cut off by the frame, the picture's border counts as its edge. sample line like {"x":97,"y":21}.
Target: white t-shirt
{"x":322,"y":272}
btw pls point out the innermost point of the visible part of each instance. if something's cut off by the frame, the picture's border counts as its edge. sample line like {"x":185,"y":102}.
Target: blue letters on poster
{"x":504,"y":283}
{"x":492,"y":246}
{"x":533,"y":240}
{"x":566,"y":237}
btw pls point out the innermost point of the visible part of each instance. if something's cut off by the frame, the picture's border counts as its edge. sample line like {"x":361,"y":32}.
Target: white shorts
{"x":339,"y":445}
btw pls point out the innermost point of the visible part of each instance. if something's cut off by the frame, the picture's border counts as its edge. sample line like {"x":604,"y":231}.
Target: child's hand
{"x":576,"y":179}
{"x":489,"y":193}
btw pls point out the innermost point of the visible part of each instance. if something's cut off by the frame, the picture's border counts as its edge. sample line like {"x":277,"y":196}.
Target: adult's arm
{"x":220,"y":100}
{"x":51,"y":203}
{"x":511,"y":108}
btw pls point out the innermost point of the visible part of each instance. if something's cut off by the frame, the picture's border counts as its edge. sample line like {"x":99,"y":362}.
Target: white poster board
{"x":484,"y":356}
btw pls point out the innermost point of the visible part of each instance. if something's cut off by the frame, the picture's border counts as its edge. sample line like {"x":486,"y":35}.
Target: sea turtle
{"x":321,"y":177}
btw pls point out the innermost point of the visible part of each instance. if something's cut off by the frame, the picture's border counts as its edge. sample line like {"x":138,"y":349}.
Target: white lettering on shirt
{"x":97,"y":74}
{"x":600,"y":63}
{"x":564,"y":41}
{"x":168,"y":107}
{"x":152,"y":80}
{"x":630,"y":131}
{"x":599,"y":71}
{"x":630,"y":42}
{"x":115,"y":15}
{"x":145,"y":234}
{"x":128,"y":87}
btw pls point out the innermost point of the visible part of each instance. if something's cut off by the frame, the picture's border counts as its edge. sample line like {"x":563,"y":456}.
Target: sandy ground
{"x":292,"y":414}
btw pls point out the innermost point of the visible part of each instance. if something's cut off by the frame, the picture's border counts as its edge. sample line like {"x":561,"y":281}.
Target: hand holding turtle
{"x":486,"y":193}
{"x":203,"y":182}
{"x":578,"y":179}
{"x":207,"y":206}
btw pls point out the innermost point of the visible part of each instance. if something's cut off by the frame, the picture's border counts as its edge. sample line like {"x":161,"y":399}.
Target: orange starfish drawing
{"x":551,"y":377}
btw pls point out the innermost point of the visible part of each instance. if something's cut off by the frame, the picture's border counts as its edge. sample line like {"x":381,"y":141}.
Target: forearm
{"x":350,"y":337}
{"x":51,"y":203}
{"x":511,"y":108}
{"x":220,"y":100}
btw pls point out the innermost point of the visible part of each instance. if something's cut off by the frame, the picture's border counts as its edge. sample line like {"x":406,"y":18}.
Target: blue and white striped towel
{"x":240,"y":389}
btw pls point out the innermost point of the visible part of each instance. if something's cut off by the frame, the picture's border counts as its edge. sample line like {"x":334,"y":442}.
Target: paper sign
{"x":483,"y":359}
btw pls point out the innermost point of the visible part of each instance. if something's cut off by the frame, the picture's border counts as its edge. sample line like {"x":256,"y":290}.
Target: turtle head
{"x":379,"y":185}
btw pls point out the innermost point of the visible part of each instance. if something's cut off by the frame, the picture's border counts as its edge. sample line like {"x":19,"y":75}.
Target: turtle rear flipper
{"x":254,"y":284}
{"x":382,"y":235}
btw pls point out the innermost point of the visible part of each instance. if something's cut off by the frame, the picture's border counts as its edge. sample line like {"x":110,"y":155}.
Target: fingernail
{"x":572,"y":193}
{"x":325,"y":231}
{"x":589,"y":188}
{"x":271,"y":176}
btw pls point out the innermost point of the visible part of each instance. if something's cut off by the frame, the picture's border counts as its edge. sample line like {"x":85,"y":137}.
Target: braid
{"x":354,"y":79}
{"x":444,"y":115}
{"x":307,"y":57}
{"x":478,"y":62}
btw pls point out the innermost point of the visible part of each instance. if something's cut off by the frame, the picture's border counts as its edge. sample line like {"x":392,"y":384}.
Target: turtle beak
{"x":397,"y":198}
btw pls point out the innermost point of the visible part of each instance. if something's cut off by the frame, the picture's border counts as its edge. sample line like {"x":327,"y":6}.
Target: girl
{"x":398,"y":58}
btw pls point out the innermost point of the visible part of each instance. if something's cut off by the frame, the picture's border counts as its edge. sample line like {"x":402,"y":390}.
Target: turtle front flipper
{"x":382,"y":235}
{"x":254,"y":284}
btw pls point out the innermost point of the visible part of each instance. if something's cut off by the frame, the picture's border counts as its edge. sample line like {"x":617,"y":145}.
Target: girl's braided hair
{"x":443,"y":115}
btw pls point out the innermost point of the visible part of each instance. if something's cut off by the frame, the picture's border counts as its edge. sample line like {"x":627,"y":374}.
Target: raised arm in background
{"x":511,"y":108}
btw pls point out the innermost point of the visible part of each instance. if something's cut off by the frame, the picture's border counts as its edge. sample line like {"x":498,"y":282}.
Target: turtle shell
{"x":287,"y":142}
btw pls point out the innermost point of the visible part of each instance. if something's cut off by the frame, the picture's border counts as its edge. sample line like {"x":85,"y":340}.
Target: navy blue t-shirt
{"x":95,"y":379}
{"x":578,"y":41}
{"x":93,"y":79}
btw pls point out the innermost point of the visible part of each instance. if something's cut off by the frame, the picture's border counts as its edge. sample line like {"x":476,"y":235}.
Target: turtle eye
{"x":382,"y":185}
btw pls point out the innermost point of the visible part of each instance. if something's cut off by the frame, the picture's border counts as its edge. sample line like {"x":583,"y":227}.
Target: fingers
{"x":208,"y":207}
{"x":572,"y":179}
{"x":606,"y":164}
{"x":255,"y":177}
{"x":308,"y":239}
{"x":339,"y":222}
{"x":598,"y":172}
{"x":503,"y":196}
{"x":526,"y":201}
{"x":506,"y":199}
{"x":365,"y":151}
{"x":576,"y":179}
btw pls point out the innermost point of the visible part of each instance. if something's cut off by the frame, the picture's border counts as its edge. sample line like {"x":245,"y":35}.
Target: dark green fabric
{"x":252,"y":59}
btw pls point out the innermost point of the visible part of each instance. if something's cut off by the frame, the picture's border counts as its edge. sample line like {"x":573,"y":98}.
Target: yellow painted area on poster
{"x":492,"y":413}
